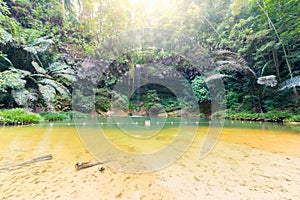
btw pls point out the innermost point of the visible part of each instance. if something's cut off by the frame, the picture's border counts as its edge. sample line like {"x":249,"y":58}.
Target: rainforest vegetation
{"x":48,"y":46}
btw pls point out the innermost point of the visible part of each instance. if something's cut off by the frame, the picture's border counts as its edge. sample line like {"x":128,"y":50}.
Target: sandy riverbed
{"x":238,"y":168}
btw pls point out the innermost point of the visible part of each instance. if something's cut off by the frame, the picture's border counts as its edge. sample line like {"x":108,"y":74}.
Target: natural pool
{"x":250,"y":161}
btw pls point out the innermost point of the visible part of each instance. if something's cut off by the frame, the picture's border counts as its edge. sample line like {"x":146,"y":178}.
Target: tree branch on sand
{"x":83,"y":165}
{"x":38,"y":159}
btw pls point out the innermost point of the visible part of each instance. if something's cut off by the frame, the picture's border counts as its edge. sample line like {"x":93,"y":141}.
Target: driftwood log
{"x":83,"y":165}
{"x":34,"y":160}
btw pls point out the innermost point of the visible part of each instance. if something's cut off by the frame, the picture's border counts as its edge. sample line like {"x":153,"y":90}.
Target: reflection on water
{"x":263,"y":126}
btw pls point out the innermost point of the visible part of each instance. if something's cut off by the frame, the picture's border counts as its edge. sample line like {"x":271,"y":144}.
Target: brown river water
{"x":250,"y":161}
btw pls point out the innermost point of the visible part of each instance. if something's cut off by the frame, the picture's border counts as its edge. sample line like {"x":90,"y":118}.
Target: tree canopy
{"x":253,"y":46}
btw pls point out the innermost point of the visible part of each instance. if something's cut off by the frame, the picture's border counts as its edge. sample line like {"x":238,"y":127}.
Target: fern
{"x":38,"y":68}
{"x":39,"y":45}
{"x":232,"y":61}
{"x":216,"y":76}
{"x":47,"y":92}
{"x":290,"y":83}
{"x":69,"y":77}
{"x":62,"y":70}
{"x":3,"y":56}
{"x":58,"y":86}
{"x":11,"y":79}
{"x":57,"y":66}
{"x":23,"y":96}
{"x":4,"y":36}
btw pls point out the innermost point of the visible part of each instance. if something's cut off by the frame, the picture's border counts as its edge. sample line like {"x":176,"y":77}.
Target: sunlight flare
{"x":150,"y":3}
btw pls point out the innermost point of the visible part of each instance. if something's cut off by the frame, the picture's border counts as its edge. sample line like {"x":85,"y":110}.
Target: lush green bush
{"x":17,"y":116}
{"x":232,"y":100}
{"x":59,"y":116}
{"x":77,"y":115}
{"x":54,"y":116}
{"x":62,"y":103}
{"x":171,"y":104}
{"x":222,"y":114}
{"x":276,"y":115}
{"x":246,"y":115}
{"x":294,"y":118}
{"x":200,"y":89}
{"x":270,"y":104}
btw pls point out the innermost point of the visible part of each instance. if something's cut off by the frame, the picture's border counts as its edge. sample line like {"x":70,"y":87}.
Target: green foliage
{"x":200,"y":89}
{"x":290,"y":83}
{"x":77,"y":115}
{"x":3,"y":8}
{"x":119,"y":101}
{"x":102,"y":103}
{"x":46,"y":83}
{"x":54,"y":116}
{"x":18,"y":116}
{"x":294,"y":118}
{"x":62,"y":103}
{"x":237,"y":6}
{"x":221,"y":114}
{"x":274,"y":116}
{"x":42,"y":43}
{"x":11,"y":79}
{"x":39,"y":45}
{"x":60,"y":116}
{"x":26,"y":51}
{"x":103,"y":99}
{"x":152,"y":100}
{"x":24,"y":97}
{"x":171,"y":104}
{"x":246,"y":115}
{"x":83,"y":101}
{"x":270,"y":104}
{"x":232,"y":100}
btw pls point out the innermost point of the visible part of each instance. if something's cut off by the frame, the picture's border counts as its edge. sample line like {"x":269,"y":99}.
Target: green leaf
{"x":69,"y":77}
{"x":23,"y":96}
{"x":7,"y":60}
{"x":47,"y":91}
{"x":216,"y":76}
{"x":57,"y":66}
{"x":58,"y":86}
{"x":11,"y":79}
{"x":5,"y":36}
{"x":38,"y":45}
{"x":30,"y":49}
{"x":38,"y":68}
{"x":62,"y":70}
{"x":290,"y":83}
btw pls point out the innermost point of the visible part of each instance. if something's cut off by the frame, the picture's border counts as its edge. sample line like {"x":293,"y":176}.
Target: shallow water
{"x":65,"y":141}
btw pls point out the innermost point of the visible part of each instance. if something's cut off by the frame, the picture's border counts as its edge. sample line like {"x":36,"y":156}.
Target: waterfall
{"x":137,"y":76}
